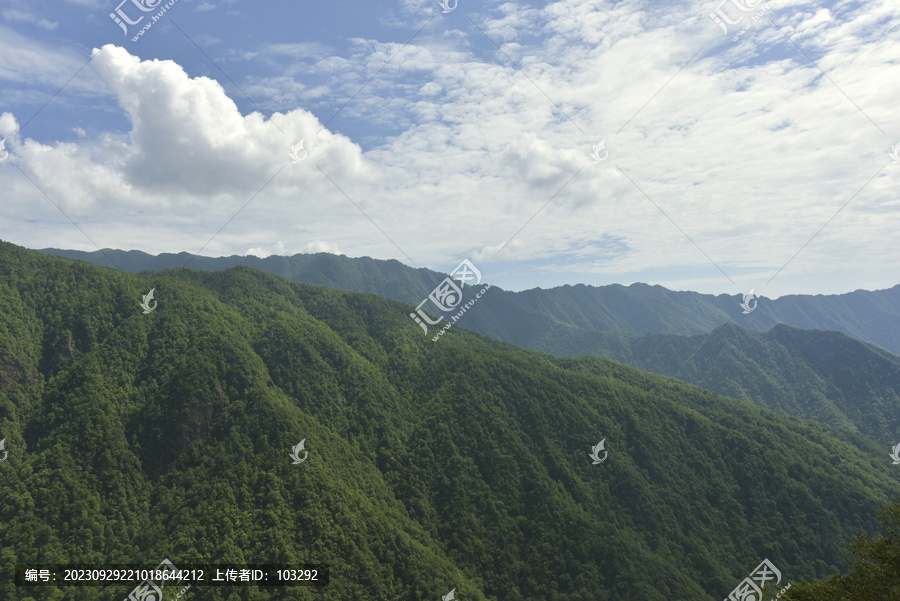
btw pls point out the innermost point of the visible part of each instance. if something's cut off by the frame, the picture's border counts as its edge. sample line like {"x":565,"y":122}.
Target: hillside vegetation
{"x":532,"y":317}
{"x":828,"y":377}
{"x":821,"y":375}
{"x":458,"y":464}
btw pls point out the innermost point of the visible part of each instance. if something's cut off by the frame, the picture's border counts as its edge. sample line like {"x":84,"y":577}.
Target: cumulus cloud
{"x":9,"y":128}
{"x":263,"y":252}
{"x":321,"y":246}
{"x":188,"y":145}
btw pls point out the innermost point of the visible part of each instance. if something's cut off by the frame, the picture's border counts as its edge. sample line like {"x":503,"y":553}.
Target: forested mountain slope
{"x":823,"y":376}
{"x":457,"y":464}
{"x":528,"y":317}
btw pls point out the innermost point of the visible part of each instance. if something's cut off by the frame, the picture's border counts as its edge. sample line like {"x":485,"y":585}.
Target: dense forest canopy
{"x":461,"y":465}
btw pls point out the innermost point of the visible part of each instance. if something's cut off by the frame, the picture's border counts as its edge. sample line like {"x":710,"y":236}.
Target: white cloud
{"x":26,"y":17}
{"x":263,"y":252}
{"x":321,"y":246}
{"x":749,"y":150}
{"x":430,"y":89}
{"x":27,"y":63}
{"x":191,"y":159}
{"x":8,"y":126}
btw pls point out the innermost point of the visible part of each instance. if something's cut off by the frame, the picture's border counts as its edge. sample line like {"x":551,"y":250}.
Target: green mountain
{"x":525,"y":318}
{"x":823,"y":376}
{"x":457,"y":464}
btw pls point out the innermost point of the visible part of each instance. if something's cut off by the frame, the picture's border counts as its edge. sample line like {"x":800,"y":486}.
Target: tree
{"x":874,"y":567}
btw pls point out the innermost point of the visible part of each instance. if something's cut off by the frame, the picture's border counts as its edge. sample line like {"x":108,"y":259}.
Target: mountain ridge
{"x":871,"y":316}
{"x":462,"y":463}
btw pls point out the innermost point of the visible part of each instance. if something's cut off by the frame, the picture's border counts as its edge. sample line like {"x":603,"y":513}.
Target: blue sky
{"x":757,"y":162}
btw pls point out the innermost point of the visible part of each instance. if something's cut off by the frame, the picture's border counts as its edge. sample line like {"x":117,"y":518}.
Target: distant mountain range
{"x":461,"y":464}
{"x":826,"y":376}
{"x":532,"y":317}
